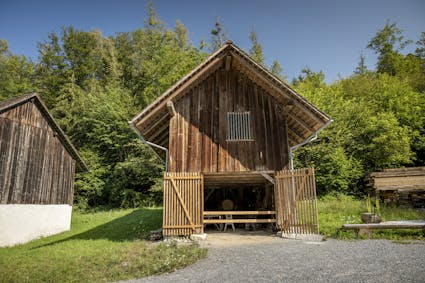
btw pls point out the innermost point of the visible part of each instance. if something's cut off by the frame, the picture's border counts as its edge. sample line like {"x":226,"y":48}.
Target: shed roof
{"x":33,"y":97}
{"x":304,"y":119}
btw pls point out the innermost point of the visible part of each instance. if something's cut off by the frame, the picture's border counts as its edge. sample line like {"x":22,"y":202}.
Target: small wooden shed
{"x":37,"y":169}
{"x":226,"y":131}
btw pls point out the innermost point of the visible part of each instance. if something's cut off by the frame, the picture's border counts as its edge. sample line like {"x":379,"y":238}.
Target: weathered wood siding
{"x":35,"y":168}
{"x":198,"y":142}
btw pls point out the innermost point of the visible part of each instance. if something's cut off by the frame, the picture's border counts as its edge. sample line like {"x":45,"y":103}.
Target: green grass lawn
{"x":101,"y":246}
{"x":110,"y":245}
{"x":334,"y":211}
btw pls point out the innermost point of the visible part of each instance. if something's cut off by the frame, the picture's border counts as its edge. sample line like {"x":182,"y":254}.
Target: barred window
{"x":238,"y":126}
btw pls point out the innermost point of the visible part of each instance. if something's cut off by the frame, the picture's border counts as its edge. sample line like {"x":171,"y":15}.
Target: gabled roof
{"x":32,"y":97}
{"x":304,"y":119}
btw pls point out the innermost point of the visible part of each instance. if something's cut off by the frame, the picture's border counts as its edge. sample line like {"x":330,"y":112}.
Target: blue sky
{"x":326,"y":35}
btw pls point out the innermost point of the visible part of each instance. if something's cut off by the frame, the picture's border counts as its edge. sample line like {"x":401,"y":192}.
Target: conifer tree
{"x":218,"y":36}
{"x":256,"y":51}
{"x":361,"y":67}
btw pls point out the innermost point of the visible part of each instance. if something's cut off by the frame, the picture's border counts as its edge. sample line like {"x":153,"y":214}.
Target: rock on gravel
{"x":256,"y":257}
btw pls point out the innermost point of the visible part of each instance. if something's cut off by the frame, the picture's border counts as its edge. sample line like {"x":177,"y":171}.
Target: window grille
{"x":238,"y":126}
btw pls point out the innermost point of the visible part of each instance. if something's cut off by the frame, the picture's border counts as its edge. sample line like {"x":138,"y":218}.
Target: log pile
{"x":400,"y":186}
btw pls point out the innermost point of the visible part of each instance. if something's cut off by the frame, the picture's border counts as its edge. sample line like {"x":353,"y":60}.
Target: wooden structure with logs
{"x":400,"y":186}
{"x":226,"y":131}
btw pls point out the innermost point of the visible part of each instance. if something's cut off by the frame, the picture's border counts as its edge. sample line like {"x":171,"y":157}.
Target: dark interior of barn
{"x":238,"y":198}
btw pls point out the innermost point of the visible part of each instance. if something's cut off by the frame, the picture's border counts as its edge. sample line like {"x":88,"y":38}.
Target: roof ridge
{"x":275,"y":86}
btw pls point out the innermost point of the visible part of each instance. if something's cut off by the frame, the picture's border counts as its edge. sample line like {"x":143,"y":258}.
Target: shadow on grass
{"x":133,"y":226}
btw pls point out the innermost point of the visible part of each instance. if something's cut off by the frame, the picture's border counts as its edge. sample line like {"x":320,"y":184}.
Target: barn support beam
{"x":171,"y":109}
{"x":267,"y":177}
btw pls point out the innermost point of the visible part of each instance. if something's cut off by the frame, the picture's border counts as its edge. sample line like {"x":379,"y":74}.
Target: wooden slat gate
{"x":183,"y":204}
{"x":295,"y":197}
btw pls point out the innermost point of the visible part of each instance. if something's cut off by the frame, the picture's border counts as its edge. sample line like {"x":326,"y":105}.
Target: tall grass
{"x":101,"y":246}
{"x":334,"y":211}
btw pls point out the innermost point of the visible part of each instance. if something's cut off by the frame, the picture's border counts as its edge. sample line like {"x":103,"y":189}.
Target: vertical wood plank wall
{"x":183,"y":204}
{"x":34,"y":166}
{"x":295,"y":197}
{"x":197,"y":140}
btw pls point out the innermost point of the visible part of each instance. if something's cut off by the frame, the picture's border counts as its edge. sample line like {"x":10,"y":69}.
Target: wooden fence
{"x":295,"y":196}
{"x":183,"y":204}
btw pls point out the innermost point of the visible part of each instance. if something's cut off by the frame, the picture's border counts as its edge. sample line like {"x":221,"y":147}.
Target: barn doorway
{"x":238,"y":197}
{"x":194,"y":202}
{"x":238,"y":203}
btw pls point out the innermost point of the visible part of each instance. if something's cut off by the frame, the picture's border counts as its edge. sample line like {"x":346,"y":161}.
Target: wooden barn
{"x":37,"y":168}
{"x":226,"y":132}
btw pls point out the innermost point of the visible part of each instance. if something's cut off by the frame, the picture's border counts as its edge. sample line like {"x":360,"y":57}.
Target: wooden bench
{"x":239,"y":220}
{"x":366,"y":229}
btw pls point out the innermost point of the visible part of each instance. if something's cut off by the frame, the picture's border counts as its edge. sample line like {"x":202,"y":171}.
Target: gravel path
{"x":255,"y":257}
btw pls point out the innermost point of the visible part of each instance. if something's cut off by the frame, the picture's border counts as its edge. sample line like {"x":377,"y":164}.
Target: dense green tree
{"x":336,"y":170}
{"x":89,"y":188}
{"x":52,"y":71}
{"x":420,"y":50}
{"x":277,"y":70}
{"x":378,"y":122}
{"x":154,"y":58}
{"x":182,"y":36}
{"x":131,"y":181}
{"x":310,"y":78}
{"x":105,"y":81}
{"x":93,"y":85}
{"x":387,"y":44}
{"x":16,"y":73}
{"x":4,"y":46}
{"x":78,"y":57}
{"x":97,"y":118}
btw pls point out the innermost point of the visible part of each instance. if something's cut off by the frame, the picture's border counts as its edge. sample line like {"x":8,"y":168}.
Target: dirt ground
{"x":218,"y":239}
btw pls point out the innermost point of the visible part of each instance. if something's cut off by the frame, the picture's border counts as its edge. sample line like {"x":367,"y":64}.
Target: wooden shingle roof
{"x":304,"y":119}
{"x":65,"y":141}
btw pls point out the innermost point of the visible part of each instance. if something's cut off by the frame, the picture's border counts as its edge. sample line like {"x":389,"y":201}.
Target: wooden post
{"x":228,"y":62}
{"x":171,"y":109}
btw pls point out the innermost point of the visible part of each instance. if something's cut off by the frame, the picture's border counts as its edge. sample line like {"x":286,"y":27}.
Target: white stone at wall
{"x":21,"y":223}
